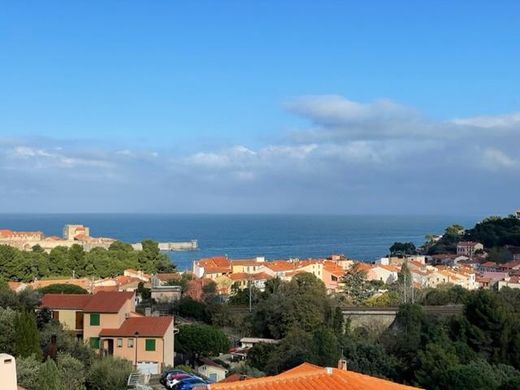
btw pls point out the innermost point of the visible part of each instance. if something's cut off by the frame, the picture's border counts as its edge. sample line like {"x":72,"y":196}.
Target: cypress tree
{"x":27,"y":338}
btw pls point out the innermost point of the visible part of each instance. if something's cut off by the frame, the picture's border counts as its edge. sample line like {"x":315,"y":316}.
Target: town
{"x":155,"y":317}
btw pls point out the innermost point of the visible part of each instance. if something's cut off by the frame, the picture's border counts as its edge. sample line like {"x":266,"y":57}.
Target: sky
{"x":329,"y":107}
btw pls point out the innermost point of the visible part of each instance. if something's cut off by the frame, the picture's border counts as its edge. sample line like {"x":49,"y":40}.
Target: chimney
{"x":342,"y":364}
{"x":328,"y":370}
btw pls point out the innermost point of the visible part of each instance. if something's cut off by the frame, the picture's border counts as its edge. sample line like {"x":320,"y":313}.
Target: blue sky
{"x":266,"y":106}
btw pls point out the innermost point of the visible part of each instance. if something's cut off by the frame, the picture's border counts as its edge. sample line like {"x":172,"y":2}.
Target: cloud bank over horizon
{"x":347,"y":157}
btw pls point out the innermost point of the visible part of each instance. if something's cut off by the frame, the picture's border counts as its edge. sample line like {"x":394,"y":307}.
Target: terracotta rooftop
{"x":234,"y":378}
{"x":107,"y":301}
{"x":217,"y":261}
{"x":146,"y":326}
{"x":246,"y":262}
{"x":246,"y":276}
{"x":280,"y":265}
{"x":310,"y":377}
{"x":65,"y":301}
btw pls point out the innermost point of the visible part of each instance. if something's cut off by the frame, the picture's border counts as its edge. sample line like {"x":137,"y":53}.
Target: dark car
{"x":167,"y":373}
{"x":172,"y":379}
{"x":191,"y":383}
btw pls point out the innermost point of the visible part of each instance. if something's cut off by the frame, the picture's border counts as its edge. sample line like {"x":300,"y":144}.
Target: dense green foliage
{"x":479,"y":349}
{"x":303,"y":303}
{"x":62,"y":289}
{"x":204,"y":340}
{"x":74,"y":261}
{"x":496,"y":232}
{"x":27,"y":338}
{"x":49,"y":377}
{"x":403,"y":248}
{"x":448,"y":242}
{"x":109,"y":374}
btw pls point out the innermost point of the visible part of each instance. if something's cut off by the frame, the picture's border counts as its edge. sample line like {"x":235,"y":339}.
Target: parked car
{"x":191,"y":384}
{"x":166,"y":374}
{"x":173,"y":379}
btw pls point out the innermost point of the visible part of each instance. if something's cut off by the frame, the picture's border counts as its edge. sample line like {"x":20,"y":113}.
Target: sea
{"x":361,"y":237}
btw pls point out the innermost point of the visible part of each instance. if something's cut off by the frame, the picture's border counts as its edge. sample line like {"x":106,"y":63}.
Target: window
{"x":94,"y":342}
{"x":150,"y":345}
{"x":94,"y":319}
{"x":130,"y":343}
{"x":119,"y":343}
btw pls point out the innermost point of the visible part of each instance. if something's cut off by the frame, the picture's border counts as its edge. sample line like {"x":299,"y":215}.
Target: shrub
{"x":109,"y":374}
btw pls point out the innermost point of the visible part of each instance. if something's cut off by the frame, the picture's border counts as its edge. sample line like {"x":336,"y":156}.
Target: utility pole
{"x":250,"y":298}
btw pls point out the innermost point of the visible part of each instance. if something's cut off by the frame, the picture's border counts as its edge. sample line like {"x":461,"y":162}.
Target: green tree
{"x":405,"y":284}
{"x":8,"y":318}
{"x":49,"y":377}
{"x":201,"y":339}
{"x":294,"y":349}
{"x":109,"y":374}
{"x":72,"y":372}
{"x":258,"y":356}
{"x":325,"y":349}
{"x":28,"y":372}
{"x":357,"y":288}
{"x":403,"y":249}
{"x":433,"y":362}
{"x":62,"y":289}
{"x":59,"y":263}
{"x":27,"y":338}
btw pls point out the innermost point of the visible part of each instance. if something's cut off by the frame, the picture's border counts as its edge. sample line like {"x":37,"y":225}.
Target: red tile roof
{"x":107,"y":301}
{"x":310,"y":377}
{"x":65,"y":301}
{"x":146,"y":326}
{"x":249,"y":276}
{"x":247,"y":262}
{"x":217,"y":261}
{"x":234,"y":378}
{"x":280,"y":265}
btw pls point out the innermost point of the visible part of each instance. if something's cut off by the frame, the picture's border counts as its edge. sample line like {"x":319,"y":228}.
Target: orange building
{"x":310,"y":377}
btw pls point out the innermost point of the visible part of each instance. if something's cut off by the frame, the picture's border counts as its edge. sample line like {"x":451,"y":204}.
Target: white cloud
{"x":346,"y":159}
{"x":507,"y":121}
{"x":496,"y":159}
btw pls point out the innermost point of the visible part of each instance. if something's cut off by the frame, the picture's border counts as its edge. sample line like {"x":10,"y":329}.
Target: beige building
{"x":108,"y":323}
{"x":212,"y":370}
{"x":468,"y":248}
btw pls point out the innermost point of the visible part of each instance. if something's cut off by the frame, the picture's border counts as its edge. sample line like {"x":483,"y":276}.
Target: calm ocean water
{"x":241,"y":236}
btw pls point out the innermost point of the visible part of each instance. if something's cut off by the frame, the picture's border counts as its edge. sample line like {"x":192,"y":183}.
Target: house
{"x":242,"y":280}
{"x":108,"y":323}
{"x":212,"y":267}
{"x":166,"y":293}
{"x":146,"y":341}
{"x":384,"y":273}
{"x":68,"y":310}
{"x":468,"y":248}
{"x":250,"y":342}
{"x":310,"y":377}
{"x":332,"y":275}
{"x":247,"y":265}
{"x":211,"y":370}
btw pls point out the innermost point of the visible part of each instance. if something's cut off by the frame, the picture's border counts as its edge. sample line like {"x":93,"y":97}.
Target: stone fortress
{"x":72,"y":234}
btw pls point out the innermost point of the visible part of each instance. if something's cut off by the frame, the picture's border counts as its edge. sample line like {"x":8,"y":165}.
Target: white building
{"x":7,"y":372}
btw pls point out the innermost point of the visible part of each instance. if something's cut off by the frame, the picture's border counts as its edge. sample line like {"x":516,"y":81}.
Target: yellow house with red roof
{"x":107,"y":321}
